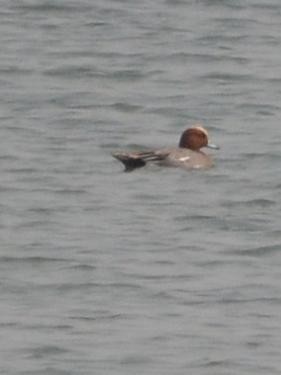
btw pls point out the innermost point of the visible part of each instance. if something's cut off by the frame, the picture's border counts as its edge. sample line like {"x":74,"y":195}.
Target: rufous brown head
{"x":195,"y":138}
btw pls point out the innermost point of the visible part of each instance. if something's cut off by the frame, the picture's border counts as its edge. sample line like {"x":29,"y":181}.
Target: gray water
{"x":159,"y":271}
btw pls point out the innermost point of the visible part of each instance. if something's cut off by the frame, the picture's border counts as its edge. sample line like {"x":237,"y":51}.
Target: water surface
{"x":160,"y":271}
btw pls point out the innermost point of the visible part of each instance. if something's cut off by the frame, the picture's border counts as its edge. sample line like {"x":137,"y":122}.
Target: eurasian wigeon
{"x":187,"y":155}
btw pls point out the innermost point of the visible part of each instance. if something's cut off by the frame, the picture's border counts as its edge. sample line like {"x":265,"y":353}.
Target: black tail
{"x":133,"y":160}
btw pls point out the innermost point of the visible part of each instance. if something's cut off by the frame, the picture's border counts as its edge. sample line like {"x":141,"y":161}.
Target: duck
{"x":187,"y":154}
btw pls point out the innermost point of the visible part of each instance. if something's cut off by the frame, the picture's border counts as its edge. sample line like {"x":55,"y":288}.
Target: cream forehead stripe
{"x":202,"y":130}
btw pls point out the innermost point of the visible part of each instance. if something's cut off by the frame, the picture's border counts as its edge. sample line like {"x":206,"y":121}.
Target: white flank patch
{"x":184,"y":158}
